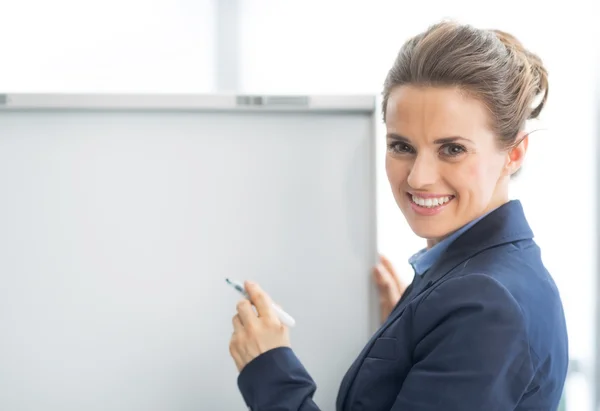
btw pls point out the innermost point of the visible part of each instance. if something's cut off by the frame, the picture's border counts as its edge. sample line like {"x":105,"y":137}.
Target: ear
{"x":516,"y":155}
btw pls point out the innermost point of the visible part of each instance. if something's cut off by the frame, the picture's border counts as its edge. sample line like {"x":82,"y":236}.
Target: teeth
{"x":430,"y":202}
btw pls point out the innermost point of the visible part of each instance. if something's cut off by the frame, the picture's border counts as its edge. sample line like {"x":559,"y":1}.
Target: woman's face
{"x":443,"y":161}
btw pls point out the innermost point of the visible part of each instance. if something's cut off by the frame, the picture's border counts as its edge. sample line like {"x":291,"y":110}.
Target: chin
{"x":427,"y":230}
{"x":430,"y":223}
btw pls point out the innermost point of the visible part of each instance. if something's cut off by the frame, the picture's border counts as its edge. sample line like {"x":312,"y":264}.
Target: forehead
{"x":435,"y":112}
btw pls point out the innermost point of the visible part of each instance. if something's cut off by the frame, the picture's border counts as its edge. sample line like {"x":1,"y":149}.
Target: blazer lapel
{"x":504,"y":225}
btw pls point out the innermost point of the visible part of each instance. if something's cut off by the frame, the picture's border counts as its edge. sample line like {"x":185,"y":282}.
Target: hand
{"x":255,"y":334}
{"x":389,"y":285}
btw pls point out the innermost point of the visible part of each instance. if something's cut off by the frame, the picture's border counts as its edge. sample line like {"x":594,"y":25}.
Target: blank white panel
{"x":117,"y":229}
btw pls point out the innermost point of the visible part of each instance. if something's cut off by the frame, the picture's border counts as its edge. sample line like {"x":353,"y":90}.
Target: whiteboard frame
{"x":204,"y":102}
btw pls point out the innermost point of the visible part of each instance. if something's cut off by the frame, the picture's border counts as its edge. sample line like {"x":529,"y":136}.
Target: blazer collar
{"x":505,"y":224}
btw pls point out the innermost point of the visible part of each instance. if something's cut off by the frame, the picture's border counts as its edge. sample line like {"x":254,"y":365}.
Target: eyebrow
{"x":444,"y":140}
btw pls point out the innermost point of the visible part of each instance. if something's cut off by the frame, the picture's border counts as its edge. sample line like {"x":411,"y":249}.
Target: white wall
{"x":106,"y":46}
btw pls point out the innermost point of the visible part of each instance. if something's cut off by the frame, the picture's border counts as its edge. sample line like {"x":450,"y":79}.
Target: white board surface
{"x":118,"y":227}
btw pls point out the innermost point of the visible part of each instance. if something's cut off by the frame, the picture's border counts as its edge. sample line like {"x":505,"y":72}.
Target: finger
{"x":400,"y":284}
{"x":245,"y":312}
{"x":387,"y":264}
{"x":235,"y":353}
{"x":388,"y":288}
{"x":383,"y":278}
{"x":237,"y":324}
{"x":261,"y":300}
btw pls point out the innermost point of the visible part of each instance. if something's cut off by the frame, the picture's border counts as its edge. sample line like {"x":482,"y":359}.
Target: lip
{"x":428,"y":195}
{"x":428,"y":211}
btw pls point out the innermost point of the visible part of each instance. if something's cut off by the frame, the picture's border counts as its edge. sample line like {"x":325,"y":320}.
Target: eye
{"x":452,"y":150}
{"x":400,"y":147}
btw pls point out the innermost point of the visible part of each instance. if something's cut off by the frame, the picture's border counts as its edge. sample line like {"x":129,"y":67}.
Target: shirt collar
{"x":425,"y":258}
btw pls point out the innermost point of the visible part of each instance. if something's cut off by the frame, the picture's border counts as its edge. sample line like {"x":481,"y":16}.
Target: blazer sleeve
{"x":472,"y":351}
{"x":276,"y":380}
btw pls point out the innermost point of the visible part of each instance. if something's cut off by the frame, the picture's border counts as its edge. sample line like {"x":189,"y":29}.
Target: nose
{"x":423,"y":172}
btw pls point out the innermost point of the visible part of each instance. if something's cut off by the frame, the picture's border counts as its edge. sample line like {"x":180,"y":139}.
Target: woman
{"x":481,"y":327}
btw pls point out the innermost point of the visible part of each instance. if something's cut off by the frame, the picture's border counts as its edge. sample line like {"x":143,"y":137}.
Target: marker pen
{"x":283,"y":316}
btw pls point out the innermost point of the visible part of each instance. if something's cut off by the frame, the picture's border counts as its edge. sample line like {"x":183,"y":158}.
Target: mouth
{"x":430,"y":204}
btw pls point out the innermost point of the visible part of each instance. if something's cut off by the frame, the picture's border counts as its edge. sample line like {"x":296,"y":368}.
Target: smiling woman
{"x":456,"y":124}
{"x":482,"y":326}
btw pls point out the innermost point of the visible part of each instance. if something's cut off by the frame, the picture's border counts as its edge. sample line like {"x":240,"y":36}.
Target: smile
{"x":429,"y":205}
{"x":430,"y":202}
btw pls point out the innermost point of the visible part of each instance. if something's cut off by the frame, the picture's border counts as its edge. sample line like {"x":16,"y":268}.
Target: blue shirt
{"x":424,"y":259}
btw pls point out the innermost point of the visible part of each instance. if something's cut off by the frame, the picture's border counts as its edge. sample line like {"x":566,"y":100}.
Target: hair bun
{"x":533,"y":73}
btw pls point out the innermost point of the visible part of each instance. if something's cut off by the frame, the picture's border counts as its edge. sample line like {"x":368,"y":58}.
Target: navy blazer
{"x":482,"y":330}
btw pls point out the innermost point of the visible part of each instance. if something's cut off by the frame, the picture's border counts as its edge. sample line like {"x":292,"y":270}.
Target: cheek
{"x":475,"y":172}
{"x":396,"y":170}
{"x":478,"y":179}
{"x":464,"y":175}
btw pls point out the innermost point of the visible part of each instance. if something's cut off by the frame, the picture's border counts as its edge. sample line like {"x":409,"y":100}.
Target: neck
{"x":432,"y":242}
